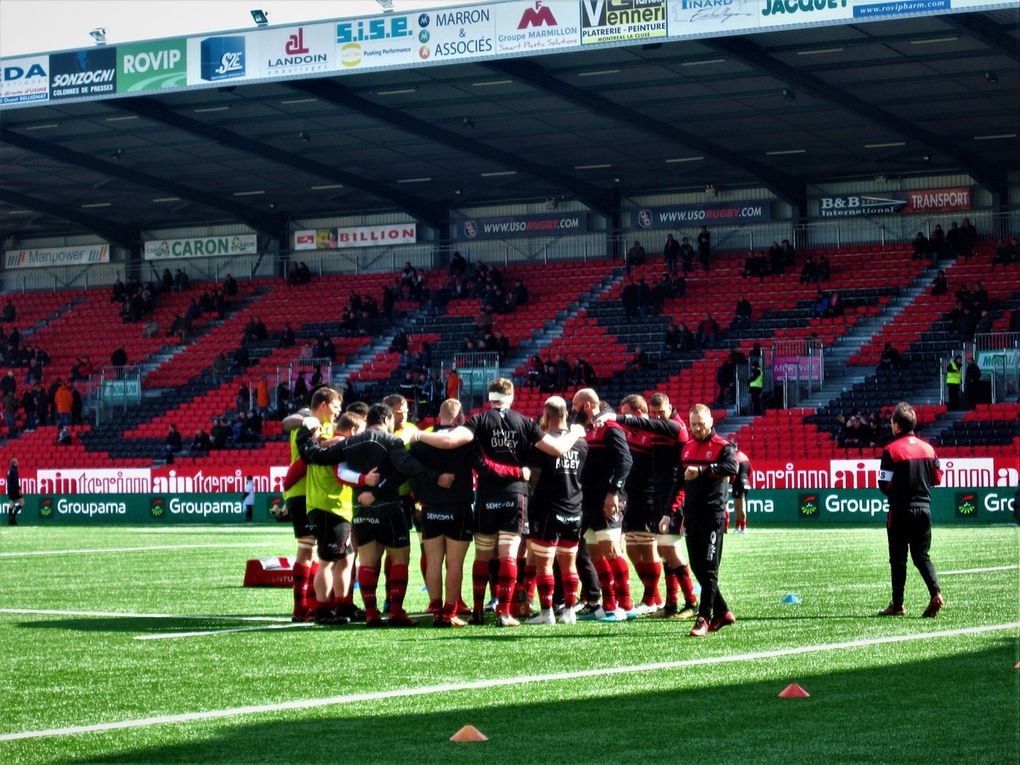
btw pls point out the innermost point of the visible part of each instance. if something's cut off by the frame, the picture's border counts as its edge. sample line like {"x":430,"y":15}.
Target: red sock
{"x":530,"y":578}
{"x":368,"y":581}
{"x":727,"y":526}
{"x":621,"y":582}
{"x":672,"y":586}
{"x":570,"y":582}
{"x":605,"y":571}
{"x":546,"y":585}
{"x":310,"y":600}
{"x":507,"y":580}
{"x":301,"y":572}
{"x":646,"y":573}
{"x":479,"y":581}
{"x":656,"y":577}
{"x":435,"y":605}
{"x":742,"y":525}
{"x":683,"y":573}
{"x":448,"y":610}
{"x":396,"y":588}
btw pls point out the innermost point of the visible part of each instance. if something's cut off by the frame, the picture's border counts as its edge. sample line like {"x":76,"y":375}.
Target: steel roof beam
{"x":988,"y":174}
{"x":980,"y":28}
{"x":339,"y":95}
{"x":413,"y":205}
{"x":245,"y":214}
{"x":124,"y":236}
{"x":787,"y":187}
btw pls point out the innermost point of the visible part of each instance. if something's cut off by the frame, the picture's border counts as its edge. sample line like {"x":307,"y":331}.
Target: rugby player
{"x":505,"y":439}
{"x":741,"y":485}
{"x":402,"y":428}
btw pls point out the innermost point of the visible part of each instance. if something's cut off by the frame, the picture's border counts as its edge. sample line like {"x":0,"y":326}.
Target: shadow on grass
{"x":958,"y":709}
{"x":146,"y":625}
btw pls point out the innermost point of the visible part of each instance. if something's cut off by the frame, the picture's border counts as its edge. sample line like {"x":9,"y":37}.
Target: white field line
{"x":492,"y":683}
{"x":169,"y":635}
{"x":202,"y":617}
{"x":978,"y":570}
{"x":221,"y":545}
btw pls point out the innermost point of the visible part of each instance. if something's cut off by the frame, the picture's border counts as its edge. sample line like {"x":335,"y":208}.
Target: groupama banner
{"x":144,"y":509}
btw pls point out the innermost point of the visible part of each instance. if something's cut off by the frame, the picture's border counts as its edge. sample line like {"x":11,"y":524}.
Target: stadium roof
{"x":783,"y":110}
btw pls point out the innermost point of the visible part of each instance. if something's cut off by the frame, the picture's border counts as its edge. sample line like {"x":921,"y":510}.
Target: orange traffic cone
{"x":468,"y":733}
{"x":793,"y":691}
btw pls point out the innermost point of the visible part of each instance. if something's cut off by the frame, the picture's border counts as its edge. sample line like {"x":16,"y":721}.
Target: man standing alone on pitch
{"x":908,"y":470}
{"x":708,"y":462}
{"x":14,"y":497}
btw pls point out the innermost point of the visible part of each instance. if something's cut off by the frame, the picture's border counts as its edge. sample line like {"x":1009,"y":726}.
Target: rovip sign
{"x":690,"y":18}
{"x":152,"y":66}
{"x":83,"y":73}
{"x":218,"y":59}
{"x":604,"y":21}
{"x":378,"y":42}
{"x":537,"y":25}
{"x":300,"y":50}
{"x":467,"y":32}
{"x":377,"y":236}
{"x":25,"y":80}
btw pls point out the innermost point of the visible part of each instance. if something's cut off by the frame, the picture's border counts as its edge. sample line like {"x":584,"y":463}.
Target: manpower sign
{"x":202,"y":247}
{"x":50,"y":257}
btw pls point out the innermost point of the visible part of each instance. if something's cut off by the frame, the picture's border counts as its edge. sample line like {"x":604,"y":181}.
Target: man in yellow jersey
{"x":305,"y":564}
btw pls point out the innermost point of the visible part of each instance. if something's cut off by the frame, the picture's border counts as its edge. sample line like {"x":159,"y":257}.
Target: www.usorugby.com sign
{"x":521,"y":225}
{"x":701,"y":215}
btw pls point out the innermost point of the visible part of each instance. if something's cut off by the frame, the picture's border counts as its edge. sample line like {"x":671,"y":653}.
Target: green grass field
{"x":923,"y":698}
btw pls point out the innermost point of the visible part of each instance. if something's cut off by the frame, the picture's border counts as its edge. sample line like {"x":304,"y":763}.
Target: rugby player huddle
{"x":553,"y":501}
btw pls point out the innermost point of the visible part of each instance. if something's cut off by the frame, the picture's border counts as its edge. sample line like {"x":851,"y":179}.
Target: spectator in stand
{"x":262,"y":397}
{"x":822,"y":269}
{"x":173,"y":443}
{"x":742,"y":316}
{"x":230,"y":286}
{"x":808,"y":270}
{"x":940,"y":285}
{"x":501,"y":346}
{"x":979,"y":299}
{"x":583,"y":375}
{"x":968,"y":238}
{"x":954,"y":241}
{"x":201,"y":443}
{"x":535,"y":366}
{"x":708,"y":332}
{"x":754,"y":386}
{"x":548,"y":381}
{"x":119,"y":358}
{"x":118,"y":293}
{"x":182,"y":282}
{"x":64,"y":437}
{"x":854,"y":435}
{"x":282,"y":400}
{"x":985,"y":323}
{"x":686,"y":255}
{"x":1014,"y":320}
{"x":777,"y":260}
{"x":457,"y":265}
{"x":923,"y":249}
{"x":755,"y":264}
{"x":454,"y":384}
{"x":789,"y":253}
{"x":639,"y":361}
{"x":63,"y":399}
{"x":890,"y":358}
{"x":220,"y":433}
{"x":240,"y":359}
{"x":972,"y":382}
{"x":520,"y":294}
{"x":10,"y":313}
{"x":704,"y":247}
{"x":954,"y":377}
{"x":1003,"y":253}
{"x":938,"y":242}
{"x":562,"y":373}
{"x":242,"y":399}
{"x":670,"y":253}
{"x":29,"y":410}
{"x":821,"y":306}
{"x":287,"y":337}
{"x":673,"y":341}
{"x":635,"y":255}
{"x":629,"y":297}
{"x":724,"y":378}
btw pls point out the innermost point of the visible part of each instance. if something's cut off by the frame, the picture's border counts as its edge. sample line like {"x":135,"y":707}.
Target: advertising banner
{"x":300,"y":50}
{"x":701,"y":215}
{"x":230,"y":58}
{"x":152,"y":66}
{"x":386,"y":41}
{"x":315,"y":239}
{"x":1002,"y":360}
{"x":202,"y":247}
{"x":83,"y":73}
{"x":457,"y":33}
{"x":698,"y":18}
{"x":797,"y":368}
{"x":24,"y":79}
{"x":534,"y":26}
{"x":377,"y":236}
{"x":788,"y":507}
{"x":604,"y":21}
{"x":901,"y":8}
{"x":520,"y":225}
{"x":863,"y":473}
{"x":908,"y":202}
{"x":49,"y":257}
{"x":802,"y":12}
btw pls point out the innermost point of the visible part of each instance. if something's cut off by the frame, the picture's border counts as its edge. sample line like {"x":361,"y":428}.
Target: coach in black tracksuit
{"x":708,"y":460}
{"x":908,"y":470}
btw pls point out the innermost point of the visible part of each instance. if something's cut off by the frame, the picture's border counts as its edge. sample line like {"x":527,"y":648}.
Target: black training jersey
{"x":559,"y":484}
{"x":908,"y":470}
{"x":504,"y":437}
{"x":668,"y":440}
{"x":640,"y":487}
{"x":707,"y":494}
{"x":458,"y":461}
{"x":608,"y":463}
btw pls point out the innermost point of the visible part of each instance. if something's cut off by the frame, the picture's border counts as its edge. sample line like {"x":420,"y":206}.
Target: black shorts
{"x":384,"y":524}
{"x":451,"y":521}
{"x":332,"y":535}
{"x":641,"y":515}
{"x":739,"y":488}
{"x":554,"y":527}
{"x":593,"y":517}
{"x":413,"y":518}
{"x":14,"y":497}
{"x":675,"y":524}
{"x":506,"y":512}
{"x":299,"y":517}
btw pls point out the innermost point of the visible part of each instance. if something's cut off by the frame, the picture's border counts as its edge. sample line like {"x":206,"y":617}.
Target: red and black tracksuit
{"x":908,"y":470}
